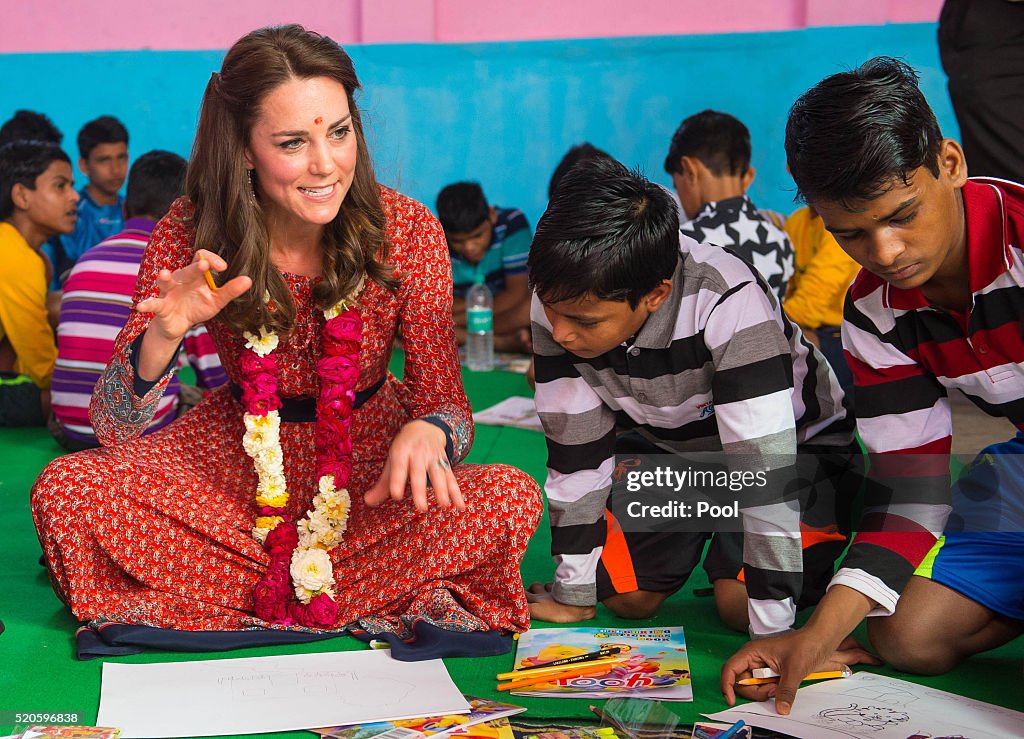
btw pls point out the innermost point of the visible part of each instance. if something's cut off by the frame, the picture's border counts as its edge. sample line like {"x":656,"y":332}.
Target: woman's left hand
{"x":417,"y":457}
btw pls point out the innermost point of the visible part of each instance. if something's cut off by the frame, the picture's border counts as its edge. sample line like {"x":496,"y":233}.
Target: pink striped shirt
{"x":96,"y":304}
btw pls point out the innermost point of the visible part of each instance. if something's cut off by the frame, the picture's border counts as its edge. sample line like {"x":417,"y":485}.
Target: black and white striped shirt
{"x":717,"y":367}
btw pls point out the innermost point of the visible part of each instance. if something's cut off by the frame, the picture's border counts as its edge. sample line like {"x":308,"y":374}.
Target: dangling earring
{"x":252,"y":188}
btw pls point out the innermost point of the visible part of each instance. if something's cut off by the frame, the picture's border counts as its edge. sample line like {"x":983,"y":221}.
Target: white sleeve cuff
{"x":770,"y":617}
{"x":884,"y":596}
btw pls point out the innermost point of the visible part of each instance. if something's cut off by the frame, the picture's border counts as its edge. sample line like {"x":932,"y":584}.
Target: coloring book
{"x":656,"y":664}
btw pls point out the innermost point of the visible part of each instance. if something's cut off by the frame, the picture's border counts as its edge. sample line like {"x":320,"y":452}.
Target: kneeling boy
{"x":684,"y":345}
{"x":936,"y":308}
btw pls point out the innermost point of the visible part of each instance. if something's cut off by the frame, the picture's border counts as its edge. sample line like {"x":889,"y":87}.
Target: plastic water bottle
{"x":480,"y":327}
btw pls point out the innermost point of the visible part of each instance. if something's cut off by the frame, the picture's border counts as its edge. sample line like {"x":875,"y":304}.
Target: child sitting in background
{"x":28,"y":125}
{"x":493,"y":243}
{"x":97,"y":301}
{"x":818,"y":287}
{"x":103,"y":151}
{"x":709,"y":161}
{"x":37,"y":202}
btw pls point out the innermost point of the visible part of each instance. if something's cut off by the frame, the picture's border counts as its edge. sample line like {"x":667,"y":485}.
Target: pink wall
{"x":73,"y":25}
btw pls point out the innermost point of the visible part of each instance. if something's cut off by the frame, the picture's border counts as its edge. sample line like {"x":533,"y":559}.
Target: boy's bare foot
{"x":544,"y":607}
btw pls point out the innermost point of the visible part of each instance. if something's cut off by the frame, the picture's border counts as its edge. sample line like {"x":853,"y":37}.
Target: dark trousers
{"x":981,"y":43}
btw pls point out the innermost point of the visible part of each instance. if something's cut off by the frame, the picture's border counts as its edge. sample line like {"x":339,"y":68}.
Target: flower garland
{"x":298,"y":586}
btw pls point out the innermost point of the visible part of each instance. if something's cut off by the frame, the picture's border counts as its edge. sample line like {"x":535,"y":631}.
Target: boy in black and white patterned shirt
{"x":683,"y":347}
{"x":709,"y":161}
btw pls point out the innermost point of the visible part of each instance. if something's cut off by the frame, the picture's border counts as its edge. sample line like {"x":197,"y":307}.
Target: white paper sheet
{"x":514,"y":411}
{"x":264,"y":694}
{"x":880,"y":707}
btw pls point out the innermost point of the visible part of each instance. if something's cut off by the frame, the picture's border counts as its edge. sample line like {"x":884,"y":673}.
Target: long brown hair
{"x":228,"y":218}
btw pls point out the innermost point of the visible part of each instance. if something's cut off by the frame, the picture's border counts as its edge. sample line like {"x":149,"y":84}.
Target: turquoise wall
{"x":503,"y":113}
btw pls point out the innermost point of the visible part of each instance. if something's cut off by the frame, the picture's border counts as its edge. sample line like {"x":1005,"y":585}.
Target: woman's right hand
{"x":186,"y":299}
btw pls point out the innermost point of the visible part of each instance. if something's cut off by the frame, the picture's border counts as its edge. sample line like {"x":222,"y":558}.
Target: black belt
{"x":302,"y":409}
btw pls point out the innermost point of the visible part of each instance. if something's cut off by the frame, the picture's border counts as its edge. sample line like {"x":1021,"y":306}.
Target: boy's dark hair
{"x":853,"y":133}
{"x":104,"y":130}
{"x":576,"y":154}
{"x":21,"y":162}
{"x":720,"y":141}
{"x":27,"y":125}
{"x":462,"y":207}
{"x":607,"y":232}
{"x":156,"y":180}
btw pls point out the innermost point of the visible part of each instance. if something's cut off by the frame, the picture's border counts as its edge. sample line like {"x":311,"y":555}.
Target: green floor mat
{"x":39,"y":672}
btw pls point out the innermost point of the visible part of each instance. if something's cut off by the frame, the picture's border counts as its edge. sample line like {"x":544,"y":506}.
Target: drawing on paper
{"x":883,"y":694}
{"x":871,"y":718}
{"x":363,"y":689}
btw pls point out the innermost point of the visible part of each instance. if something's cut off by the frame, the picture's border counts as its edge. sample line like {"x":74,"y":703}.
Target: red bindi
{"x":318,"y":120}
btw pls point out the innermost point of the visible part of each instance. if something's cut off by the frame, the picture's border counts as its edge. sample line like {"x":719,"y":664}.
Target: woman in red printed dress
{"x":237,"y":516}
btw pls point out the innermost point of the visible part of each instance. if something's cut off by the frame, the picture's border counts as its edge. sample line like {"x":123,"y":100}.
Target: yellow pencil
{"x":209,"y":281}
{"x":832,"y":674}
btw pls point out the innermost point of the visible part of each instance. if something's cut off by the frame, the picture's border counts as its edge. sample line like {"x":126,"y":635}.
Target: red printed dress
{"x":156,"y":530}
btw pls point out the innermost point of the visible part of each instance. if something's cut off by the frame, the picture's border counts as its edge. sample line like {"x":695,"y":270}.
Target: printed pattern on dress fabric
{"x":155,"y":530}
{"x":116,"y":394}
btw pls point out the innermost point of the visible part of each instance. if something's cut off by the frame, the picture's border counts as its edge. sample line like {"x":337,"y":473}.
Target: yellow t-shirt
{"x":23,"y":319}
{"x":824,"y":272}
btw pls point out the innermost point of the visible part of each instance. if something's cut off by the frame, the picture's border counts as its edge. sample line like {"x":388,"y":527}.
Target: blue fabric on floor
{"x":431,"y":642}
{"x":428,"y":641}
{"x":115,"y":640}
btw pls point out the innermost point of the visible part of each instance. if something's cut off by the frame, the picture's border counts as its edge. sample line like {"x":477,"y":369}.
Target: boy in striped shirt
{"x":98,"y":298}
{"x":683,"y":346}
{"x":936,"y":307}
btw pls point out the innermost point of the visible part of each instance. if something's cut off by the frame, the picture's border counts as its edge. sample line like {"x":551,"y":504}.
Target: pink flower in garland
{"x":346,"y":327}
{"x":251,"y":364}
{"x":273,"y":592}
{"x":281,"y":541}
{"x":321,"y":612}
{"x":259,"y":395}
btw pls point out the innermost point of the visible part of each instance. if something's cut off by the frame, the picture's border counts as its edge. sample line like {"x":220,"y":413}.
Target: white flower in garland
{"x":263,"y":344}
{"x":311,"y":572}
{"x":345,"y":303}
{"x":261,"y":432}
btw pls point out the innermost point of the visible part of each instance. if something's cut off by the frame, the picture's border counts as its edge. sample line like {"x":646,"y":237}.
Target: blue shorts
{"x":984,"y":560}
